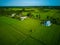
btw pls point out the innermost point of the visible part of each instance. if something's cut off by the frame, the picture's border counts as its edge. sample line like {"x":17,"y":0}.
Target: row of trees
{"x":7,"y":12}
{"x":54,"y":20}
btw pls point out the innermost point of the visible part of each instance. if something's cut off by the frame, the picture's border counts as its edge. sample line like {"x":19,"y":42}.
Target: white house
{"x":24,"y":17}
{"x":48,"y":23}
{"x":13,"y":15}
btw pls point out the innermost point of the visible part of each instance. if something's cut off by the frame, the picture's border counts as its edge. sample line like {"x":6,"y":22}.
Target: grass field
{"x":29,"y":31}
{"x":14,"y":32}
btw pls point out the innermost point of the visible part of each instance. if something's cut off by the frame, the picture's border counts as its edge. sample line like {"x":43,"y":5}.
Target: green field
{"x":14,"y":32}
{"x":29,"y":31}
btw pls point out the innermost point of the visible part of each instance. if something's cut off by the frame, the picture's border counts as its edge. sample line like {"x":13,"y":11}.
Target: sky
{"x":29,"y":2}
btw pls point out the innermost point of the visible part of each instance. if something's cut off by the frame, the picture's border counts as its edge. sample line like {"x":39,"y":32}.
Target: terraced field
{"x":27,"y":32}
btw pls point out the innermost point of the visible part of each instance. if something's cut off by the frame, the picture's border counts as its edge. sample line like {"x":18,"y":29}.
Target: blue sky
{"x":29,"y":2}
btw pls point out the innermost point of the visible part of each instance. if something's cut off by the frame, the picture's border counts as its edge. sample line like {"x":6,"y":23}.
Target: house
{"x":48,"y":23}
{"x":23,"y":17}
{"x":12,"y":15}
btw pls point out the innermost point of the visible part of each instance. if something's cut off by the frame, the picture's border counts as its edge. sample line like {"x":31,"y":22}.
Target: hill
{"x":27,"y":32}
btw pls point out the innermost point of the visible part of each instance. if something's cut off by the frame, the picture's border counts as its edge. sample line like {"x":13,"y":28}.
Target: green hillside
{"x":32,"y":30}
{"x":27,"y":32}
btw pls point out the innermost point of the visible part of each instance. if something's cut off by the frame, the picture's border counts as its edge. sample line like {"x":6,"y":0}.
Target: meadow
{"x":30,"y":31}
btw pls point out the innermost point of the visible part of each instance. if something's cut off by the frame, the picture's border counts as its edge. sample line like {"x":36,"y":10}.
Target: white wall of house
{"x":22,"y":18}
{"x":12,"y":15}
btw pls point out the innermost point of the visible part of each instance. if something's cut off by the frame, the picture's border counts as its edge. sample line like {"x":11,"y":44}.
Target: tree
{"x":29,"y":15}
{"x":38,"y":16}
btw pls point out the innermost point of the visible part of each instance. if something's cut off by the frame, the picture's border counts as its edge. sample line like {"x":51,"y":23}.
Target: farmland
{"x":30,"y":31}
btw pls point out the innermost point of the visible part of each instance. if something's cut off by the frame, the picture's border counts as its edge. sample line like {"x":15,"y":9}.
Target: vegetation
{"x":30,"y":31}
